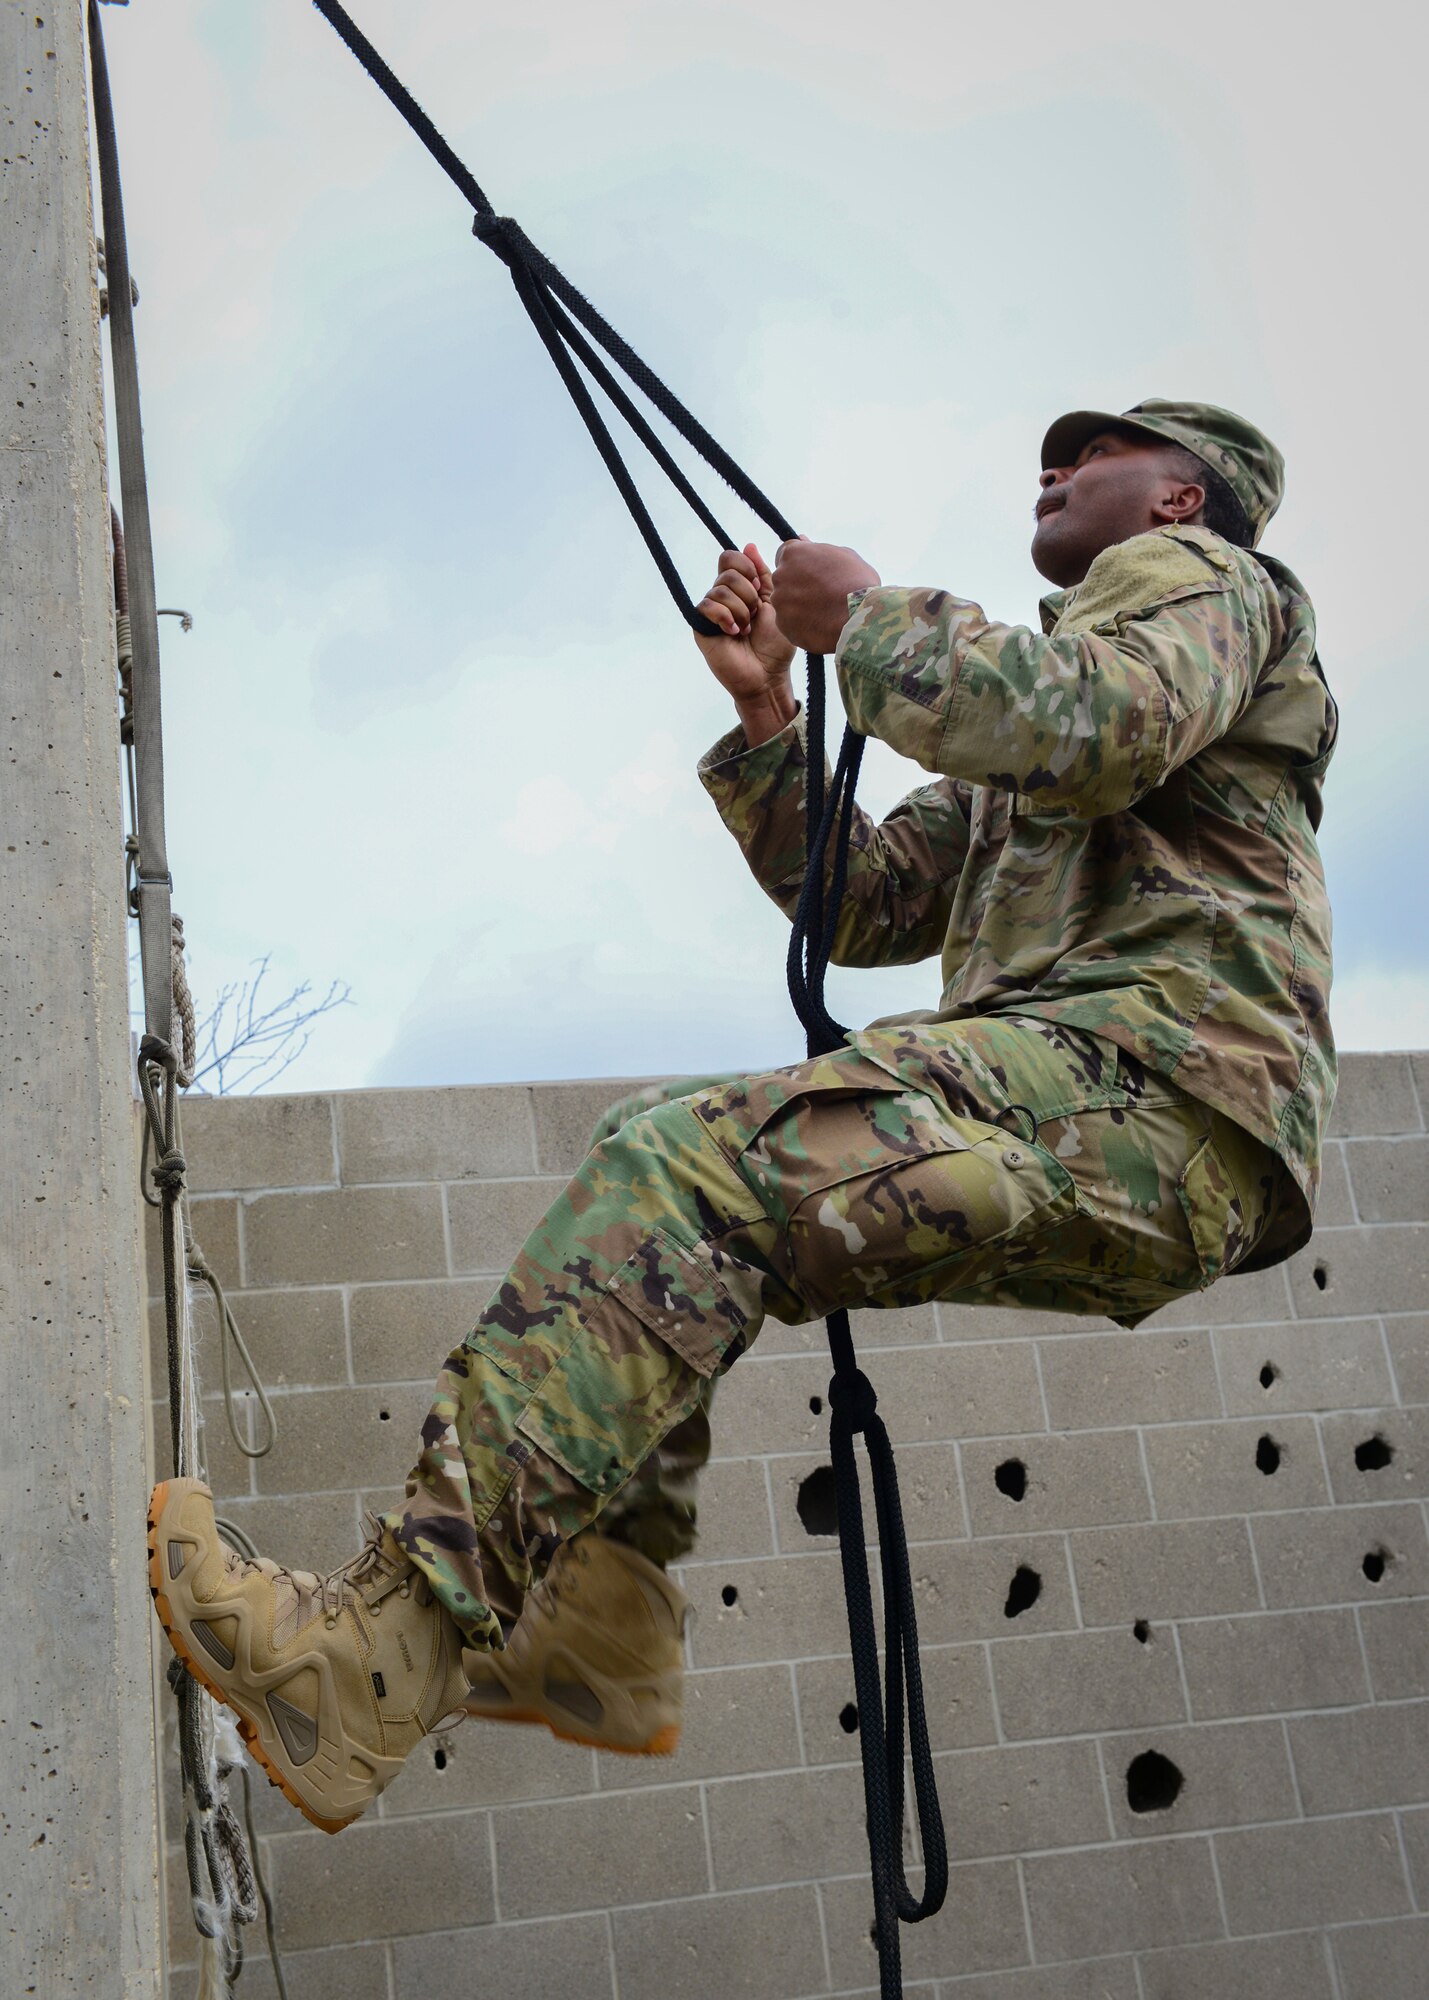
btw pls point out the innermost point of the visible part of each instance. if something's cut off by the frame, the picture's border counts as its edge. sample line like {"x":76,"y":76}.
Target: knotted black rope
{"x":577,"y":338}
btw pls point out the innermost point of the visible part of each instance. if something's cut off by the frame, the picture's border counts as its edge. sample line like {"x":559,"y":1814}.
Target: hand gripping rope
{"x":563,"y":318}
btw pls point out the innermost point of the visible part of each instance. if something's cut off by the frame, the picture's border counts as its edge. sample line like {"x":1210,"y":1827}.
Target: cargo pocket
{"x":735,"y":1116}
{"x":636,"y":1367}
{"x":1038,"y":1199}
{"x":1212,"y":1208}
{"x":958,"y":1215}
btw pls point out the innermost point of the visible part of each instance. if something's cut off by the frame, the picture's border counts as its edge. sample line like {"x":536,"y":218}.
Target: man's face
{"x":1121,"y":485}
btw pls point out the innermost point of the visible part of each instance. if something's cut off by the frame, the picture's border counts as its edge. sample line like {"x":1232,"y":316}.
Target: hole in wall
{"x":816,"y":1405}
{"x":440,"y":1759}
{"x":384,"y":1416}
{"x":1023,"y":1591}
{"x":848,"y":1718}
{"x":816,"y":1504}
{"x":1269,"y":1375}
{"x":1011,"y":1478}
{"x":1153,"y":1783}
{"x":729,"y":1595}
{"x":1321,"y":1275}
{"x":1374,"y":1454}
{"x":1375,"y":1564}
{"x":1267,"y":1455}
{"x":1141,"y":1631}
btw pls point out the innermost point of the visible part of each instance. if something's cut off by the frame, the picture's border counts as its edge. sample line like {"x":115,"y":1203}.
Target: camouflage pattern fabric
{"x":1031,"y":1164}
{"x":656,"y":1511}
{"x":1121,"y":837}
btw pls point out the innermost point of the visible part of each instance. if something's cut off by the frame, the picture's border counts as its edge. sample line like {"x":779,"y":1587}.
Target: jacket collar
{"x":1052,"y":608}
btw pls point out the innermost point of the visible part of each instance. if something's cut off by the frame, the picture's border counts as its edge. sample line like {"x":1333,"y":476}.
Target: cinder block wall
{"x":1224,"y":1513}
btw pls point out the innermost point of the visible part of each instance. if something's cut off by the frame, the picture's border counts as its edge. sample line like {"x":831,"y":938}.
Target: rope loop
{"x":157,"y":1066}
{"x":231,"y":1342}
{"x":159,"y":1053}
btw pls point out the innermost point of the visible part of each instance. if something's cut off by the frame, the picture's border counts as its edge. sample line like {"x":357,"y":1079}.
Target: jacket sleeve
{"x":901,"y":874}
{"x":1155,"y":656}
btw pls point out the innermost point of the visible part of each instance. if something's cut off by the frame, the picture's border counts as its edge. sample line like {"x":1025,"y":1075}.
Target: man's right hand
{"x":750,"y":656}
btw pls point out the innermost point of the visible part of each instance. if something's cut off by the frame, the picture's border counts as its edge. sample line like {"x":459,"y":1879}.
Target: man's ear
{"x":1178,"y":504}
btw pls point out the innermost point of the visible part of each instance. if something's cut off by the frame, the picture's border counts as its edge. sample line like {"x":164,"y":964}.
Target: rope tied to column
{"x":219,"y":1888}
{"x":223,"y":1874}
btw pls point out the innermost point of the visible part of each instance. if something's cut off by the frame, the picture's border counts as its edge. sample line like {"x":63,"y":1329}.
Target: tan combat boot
{"x":333,"y":1679}
{"x":598,"y":1655}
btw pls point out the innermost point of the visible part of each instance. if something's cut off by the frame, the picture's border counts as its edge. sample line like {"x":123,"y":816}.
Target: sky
{"x":434,"y":731}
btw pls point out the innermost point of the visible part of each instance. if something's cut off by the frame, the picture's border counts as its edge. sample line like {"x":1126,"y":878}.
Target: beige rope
{"x":230,"y":1340}
{"x":184,"y":1008}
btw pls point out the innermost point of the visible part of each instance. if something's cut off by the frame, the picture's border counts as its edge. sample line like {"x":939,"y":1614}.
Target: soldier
{"x":1119,"y":1098}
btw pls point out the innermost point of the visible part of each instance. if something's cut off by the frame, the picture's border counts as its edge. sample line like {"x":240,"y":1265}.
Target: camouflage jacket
{"x":1122,"y":832}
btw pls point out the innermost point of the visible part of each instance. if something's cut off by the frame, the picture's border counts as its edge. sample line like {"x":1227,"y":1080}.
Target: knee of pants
{"x":660,"y":1166}
{"x":648,"y":1098}
{"x":665,"y":1175}
{"x":600,"y":1384}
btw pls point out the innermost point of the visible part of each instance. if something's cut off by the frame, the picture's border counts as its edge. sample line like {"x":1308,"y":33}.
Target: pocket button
{"x":1013,"y":1157}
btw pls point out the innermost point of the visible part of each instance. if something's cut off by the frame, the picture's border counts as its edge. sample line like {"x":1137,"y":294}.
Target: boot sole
{"x":247,"y":1728}
{"x":663,"y":1743}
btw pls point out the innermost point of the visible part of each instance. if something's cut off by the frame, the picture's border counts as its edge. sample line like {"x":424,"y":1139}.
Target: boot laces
{"x":302,"y":1595}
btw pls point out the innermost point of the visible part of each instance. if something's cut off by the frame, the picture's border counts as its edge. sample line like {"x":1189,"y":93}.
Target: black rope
{"x":544,"y":291}
{"x":853,"y":1410}
{"x":563,"y":318}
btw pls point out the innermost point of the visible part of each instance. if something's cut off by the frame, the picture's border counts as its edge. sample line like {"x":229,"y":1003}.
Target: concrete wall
{"x":79,"y":1892}
{"x":1265,"y":1630}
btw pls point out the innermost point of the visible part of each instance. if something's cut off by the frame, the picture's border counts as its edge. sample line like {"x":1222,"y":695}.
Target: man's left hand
{"x":812,"y":582}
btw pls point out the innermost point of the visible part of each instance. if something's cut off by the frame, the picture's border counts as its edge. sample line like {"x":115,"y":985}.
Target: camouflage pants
{"x":1007,"y":1161}
{"x":657,"y":1510}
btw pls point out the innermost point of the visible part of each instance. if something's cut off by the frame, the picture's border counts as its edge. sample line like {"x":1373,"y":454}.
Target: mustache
{"x":1050,"y":502}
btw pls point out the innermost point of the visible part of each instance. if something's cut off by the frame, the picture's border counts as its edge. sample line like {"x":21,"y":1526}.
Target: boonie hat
{"x":1243,"y":456}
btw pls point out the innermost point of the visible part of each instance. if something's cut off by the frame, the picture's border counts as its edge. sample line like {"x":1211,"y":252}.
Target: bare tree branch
{"x":248,"y":1038}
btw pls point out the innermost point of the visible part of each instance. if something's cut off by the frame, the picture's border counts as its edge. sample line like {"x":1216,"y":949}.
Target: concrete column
{"x":79,"y":1897}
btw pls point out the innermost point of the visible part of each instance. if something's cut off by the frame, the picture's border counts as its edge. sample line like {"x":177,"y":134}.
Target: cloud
{"x":434,"y":730}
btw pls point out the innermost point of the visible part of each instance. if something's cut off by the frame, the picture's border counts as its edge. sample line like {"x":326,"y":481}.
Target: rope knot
{"x":170,"y":1170}
{"x":852,"y":1397}
{"x":503,"y":235}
